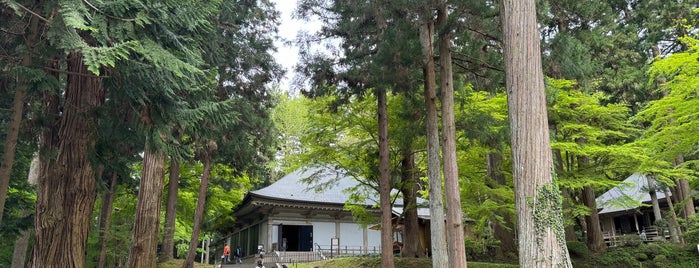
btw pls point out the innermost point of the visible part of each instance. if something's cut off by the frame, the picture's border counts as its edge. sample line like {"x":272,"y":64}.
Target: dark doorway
{"x":298,"y":237}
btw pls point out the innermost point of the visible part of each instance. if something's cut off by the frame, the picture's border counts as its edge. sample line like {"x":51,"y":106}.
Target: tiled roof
{"x":630,"y":194}
{"x":324,"y":185}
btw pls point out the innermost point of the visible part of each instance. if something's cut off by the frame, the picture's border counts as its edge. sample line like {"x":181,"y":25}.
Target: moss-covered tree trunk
{"x":66,"y":190}
{"x":537,"y":197}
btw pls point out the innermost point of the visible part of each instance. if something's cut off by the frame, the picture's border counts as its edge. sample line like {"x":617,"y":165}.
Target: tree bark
{"x":688,"y":200}
{"x":411,"y":229}
{"x":438,"y":236}
{"x":537,"y":197}
{"x":654,"y":198}
{"x":201,"y":201}
{"x":67,"y":189}
{"x":167,"y":249}
{"x":385,"y":184}
{"x":674,"y":227}
{"x":106,"y":219}
{"x":455,"y":227}
{"x":595,"y":240}
{"x":8,"y":154}
{"x":145,"y":231}
{"x":684,"y":192}
{"x":19,"y":256}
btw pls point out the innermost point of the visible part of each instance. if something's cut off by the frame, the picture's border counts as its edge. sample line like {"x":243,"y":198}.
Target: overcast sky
{"x":286,"y":55}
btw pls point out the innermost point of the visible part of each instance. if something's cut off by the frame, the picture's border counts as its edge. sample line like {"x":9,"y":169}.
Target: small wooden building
{"x":627,"y":209}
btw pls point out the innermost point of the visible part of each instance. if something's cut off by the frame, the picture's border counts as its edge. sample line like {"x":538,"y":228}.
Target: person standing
{"x":226,"y":254}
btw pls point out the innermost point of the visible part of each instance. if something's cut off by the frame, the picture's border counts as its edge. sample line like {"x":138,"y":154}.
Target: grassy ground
{"x":177,"y":263}
{"x":374,"y":262}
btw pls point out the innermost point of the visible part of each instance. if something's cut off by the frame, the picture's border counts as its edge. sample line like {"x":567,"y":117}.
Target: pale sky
{"x":287,"y":56}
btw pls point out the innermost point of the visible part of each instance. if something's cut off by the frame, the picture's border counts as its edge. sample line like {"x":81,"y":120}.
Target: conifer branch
{"x":9,"y":32}
{"x":472,"y":60}
{"x":32,"y":12}
{"x":105,"y":14}
{"x":75,"y":73}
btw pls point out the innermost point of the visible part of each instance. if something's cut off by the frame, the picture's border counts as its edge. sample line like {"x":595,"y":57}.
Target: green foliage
{"x":644,"y":255}
{"x":577,"y":249}
{"x":290,"y":117}
{"x":548,"y":214}
{"x":586,"y":129}
{"x":674,"y":115}
{"x":691,"y":235}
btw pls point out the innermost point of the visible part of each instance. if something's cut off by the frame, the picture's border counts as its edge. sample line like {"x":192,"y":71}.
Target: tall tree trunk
{"x":385,"y":184}
{"x":145,"y":231}
{"x":48,"y":139}
{"x":503,"y":232}
{"x":654,"y":198}
{"x":595,"y":240}
{"x":438,"y":236}
{"x":674,"y":227}
{"x":106,"y":219}
{"x":684,"y":191}
{"x":411,"y":229}
{"x":19,"y":256}
{"x":8,"y":154}
{"x":67,"y":190}
{"x":201,"y":201}
{"x":455,"y":227}
{"x":167,"y":249}
{"x":537,"y":197}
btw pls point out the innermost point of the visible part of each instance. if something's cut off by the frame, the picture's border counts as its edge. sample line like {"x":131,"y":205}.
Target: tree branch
{"x":105,"y":14}
{"x":75,"y":73}
{"x":33,"y":13}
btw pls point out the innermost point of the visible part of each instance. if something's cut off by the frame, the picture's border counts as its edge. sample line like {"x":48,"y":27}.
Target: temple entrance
{"x":296,"y":237}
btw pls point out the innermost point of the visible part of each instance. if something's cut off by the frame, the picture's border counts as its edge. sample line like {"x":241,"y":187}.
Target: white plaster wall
{"x":374,"y":238}
{"x":351,"y":235}
{"x":322,"y":233}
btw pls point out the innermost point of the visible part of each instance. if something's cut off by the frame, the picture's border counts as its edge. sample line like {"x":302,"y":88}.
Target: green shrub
{"x":660,"y":261}
{"x":641,"y":257}
{"x":665,"y":255}
{"x":577,"y":249}
{"x":691,"y":236}
{"x":630,"y":240}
